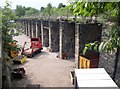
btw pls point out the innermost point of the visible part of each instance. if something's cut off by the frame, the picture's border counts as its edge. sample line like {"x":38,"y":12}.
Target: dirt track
{"x":45,"y":69}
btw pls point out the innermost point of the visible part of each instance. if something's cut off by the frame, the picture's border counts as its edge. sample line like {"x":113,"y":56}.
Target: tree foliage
{"x":8,"y":24}
{"x":108,"y":45}
{"x":20,"y":11}
{"x":28,"y":11}
{"x":54,"y":12}
{"x":47,"y":12}
{"x":61,"y":5}
{"x":31,"y":11}
{"x":87,"y":8}
{"x":106,"y":9}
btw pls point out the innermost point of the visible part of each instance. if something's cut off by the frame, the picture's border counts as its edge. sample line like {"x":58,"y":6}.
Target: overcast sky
{"x":33,"y":3}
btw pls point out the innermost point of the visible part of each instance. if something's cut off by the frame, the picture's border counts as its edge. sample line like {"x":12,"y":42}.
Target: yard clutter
{"x":18,"y":73}
{"x":19,"y":59}
{"x":72,"y":76}
{"x":13,"y":53}
{"x":89,"y":60}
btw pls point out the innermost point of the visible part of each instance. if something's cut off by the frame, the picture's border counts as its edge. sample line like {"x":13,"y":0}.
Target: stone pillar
{"x":67,"y":39}
{"x":30,"y":28}
{"x":33,"y":28}
{"x":42,"y":32}
{"x":77,"y":45}
{"x":27,"y":27}
{"x":85,"y":33}
{"x":38,"y":28}
{"x":36,"y":23}
{"x":23,"y":25}
{"x":54,"y":36}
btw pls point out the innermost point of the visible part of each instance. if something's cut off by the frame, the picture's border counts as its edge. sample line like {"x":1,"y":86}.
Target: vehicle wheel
{"x":31,"y":56}
{"x":39,"y":51}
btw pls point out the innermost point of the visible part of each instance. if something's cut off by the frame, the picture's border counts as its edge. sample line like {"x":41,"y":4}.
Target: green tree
{"x":107,"y":9}
{"x":48,"y":9}
{"x":86,"y":8}
{"x":32,"y":11}
{"x":8,"y":24}
{"x":20,"y":11}
{"x":61,"y":5}
{"x":65,"y":11}
{"x":42,"y":9}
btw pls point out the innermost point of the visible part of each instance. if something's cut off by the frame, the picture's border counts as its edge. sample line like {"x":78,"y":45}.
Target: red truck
{"x":34,"y":48}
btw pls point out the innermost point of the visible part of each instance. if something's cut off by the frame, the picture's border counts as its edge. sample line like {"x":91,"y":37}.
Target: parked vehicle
{"x":34,"y":48}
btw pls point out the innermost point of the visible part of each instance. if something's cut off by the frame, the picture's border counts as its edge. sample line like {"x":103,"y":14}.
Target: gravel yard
{"x":44,"y":69}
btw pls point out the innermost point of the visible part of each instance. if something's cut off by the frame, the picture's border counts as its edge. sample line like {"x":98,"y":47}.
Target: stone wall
{"x":45,"y":33}
{"x":67,"y":39}
{"x":27,"y":28}
{"x":42,"y":31}
{"x":38,"y":28}
{"x":45,"y":23}
{"x":23,"y":25}
{"x":33,"y":25}
{"x":117,"y":72}
{"x":108,"y":60}
{"x":54,"y":36}
{"x":46,"y":37}
{"x":30,"y":28}
{"x":85,"y":33}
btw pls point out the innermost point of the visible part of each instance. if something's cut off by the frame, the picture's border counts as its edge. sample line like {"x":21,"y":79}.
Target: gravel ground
{"x":44,"y":69}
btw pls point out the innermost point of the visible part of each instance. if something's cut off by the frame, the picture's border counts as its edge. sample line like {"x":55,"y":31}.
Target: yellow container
{"x":19,"y":59}
{"x":88,"y":63}
{"x":14,"y":54}
{"x":23,"y":60}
